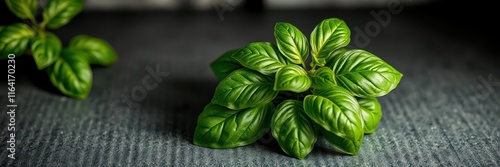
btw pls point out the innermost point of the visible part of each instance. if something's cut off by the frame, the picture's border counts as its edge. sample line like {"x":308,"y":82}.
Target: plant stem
{"x":315,"y":62}
{"x":33,"y":21}
{"x":42,"y":25}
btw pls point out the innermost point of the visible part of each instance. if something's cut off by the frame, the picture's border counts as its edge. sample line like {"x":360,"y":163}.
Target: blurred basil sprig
{"x":68,"y":68}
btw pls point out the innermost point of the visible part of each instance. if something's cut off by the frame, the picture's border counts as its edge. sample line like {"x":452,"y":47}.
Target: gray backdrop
{"x":444,"y":112}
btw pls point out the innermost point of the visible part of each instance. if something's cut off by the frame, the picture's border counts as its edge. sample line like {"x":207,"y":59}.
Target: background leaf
{"x":329,"y":35}
{"x":244,"y":88}
{"x":24,"y":9}
{"x":344,"y":145}
{"x":220,"y":127}
{"x":323,"y":78}
{"x":98,"y":51}
{"x":261,"y":56}
{"x":46,"y":48}
{"x":336,"y":111}
{"x":292,"y":78}
{"x":14,"y":39}
{"x":57,"y":13}
{"x":71,"y":74}
{"x":225,"y":64}
{"x":294,"y":131}
{"x":291,"y":42}
{"x":371,"y":113}
{"x":365,"y":74}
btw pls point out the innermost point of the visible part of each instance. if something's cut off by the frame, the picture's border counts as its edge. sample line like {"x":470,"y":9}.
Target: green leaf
{"x":261,"y":56}
{"x":244,"y":88}
{"x":365,"y":74}
{"x":220,"y":127}
{"x":323,"y":78}
{"x":344,"y":145}
{"x":371,"y":113}
{"x":292,"y":78}
{"x":294,"y":131}
{"x":46,"y":48}
{"x":291,"y":42}
{"x":225,"y":64}
{"x":14,"y":39}
{"x":329,"y":35}
{"x":71,"y":74}
{"x":337,"y":111}
{"x":348,"y":134}
{"x":98,"y":51}
{"x":24,"y":9}
{"x":330,"y":61}
{"x":57,"y":13}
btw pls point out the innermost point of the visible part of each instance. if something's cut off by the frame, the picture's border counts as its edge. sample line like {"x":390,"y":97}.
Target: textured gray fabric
{"x":444,"y":112}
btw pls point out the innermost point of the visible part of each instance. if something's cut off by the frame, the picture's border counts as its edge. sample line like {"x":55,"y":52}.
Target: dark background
{"x":444,"y":112}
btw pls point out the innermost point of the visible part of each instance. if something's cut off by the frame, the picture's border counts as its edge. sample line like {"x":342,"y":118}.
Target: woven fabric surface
{"x":444,"y":112}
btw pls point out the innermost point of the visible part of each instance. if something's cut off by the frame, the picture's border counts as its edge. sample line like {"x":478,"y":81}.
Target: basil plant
{"x":268,"y":87}
{"x":68,"y":68}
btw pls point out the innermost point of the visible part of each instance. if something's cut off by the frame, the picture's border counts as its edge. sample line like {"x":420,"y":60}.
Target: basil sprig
{"x":68,"y":68}
{"x":336,"y":96}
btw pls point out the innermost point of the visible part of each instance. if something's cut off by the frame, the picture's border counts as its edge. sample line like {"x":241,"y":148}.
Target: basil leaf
{"x":46,"y":48}
{"x":365,"y":74}
{"x":24,"y":9}
{"x":323,"y":78}
{"x":336,"y":111}
{"x":220,"y":127}
{"x":14,"y":39}
{"x":291,"y":42}
{"x":329,"y":35}
{"x":71,"y":74}
{"x":98,"y":51}
{"x":371,"y":113}
{"x":261,"y":56}
{"x":225,"y":64}
{"x":330,"y":61}
{"x":244,"y":88}
{"x":344,"y":145}
{"x":292,"y":78}
{"x":57,"y":13}
{"x":294,"y":131}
